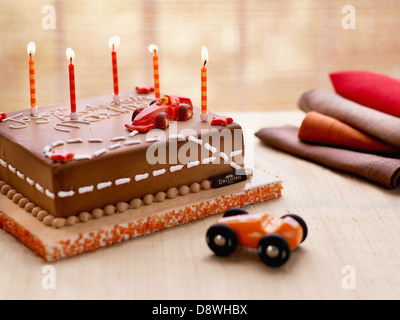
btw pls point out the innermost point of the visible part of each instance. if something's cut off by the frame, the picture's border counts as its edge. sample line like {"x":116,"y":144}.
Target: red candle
{"x":204,"y":57}
{"x":153,"y":48}
{"x":113,"y":43}
{"x":32,"y":86}
{"x":70,"y":55}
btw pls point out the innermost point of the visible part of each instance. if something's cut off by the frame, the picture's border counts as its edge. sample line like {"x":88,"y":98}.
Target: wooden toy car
{"x":274,"y":238}
{"x":160,"y":112}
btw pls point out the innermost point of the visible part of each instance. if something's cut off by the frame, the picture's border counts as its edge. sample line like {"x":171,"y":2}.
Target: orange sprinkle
{"x":100,"y":238}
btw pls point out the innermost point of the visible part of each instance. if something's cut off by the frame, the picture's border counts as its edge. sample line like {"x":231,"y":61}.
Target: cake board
{"x":52,"y":244}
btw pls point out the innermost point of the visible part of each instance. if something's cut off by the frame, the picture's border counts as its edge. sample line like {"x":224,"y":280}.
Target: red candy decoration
{"x":2,"y":116}
{"x":223,"y":120}
{"x":61,"y":155}
{"x":144,"y":89}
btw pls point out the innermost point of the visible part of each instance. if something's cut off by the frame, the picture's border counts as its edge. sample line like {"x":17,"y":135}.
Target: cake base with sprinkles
{"x":96,"y":231}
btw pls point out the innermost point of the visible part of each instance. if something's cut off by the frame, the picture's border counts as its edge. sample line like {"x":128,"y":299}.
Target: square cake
{"x":65,"y":167}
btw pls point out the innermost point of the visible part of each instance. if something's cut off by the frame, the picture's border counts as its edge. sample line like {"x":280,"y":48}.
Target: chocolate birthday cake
{"x":67,"y":167}
{"x":121,"y":170}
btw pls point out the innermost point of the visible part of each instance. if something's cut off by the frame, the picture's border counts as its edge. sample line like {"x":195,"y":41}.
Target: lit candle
{"x":204,"y":58}
{"x":113,"y":43}
{"x":71,"y":55}
{"x":31,"y":51}
{"x":153,"y":48}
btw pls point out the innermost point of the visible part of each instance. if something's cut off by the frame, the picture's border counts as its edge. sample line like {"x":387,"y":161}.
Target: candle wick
{"x":113,"y":47}
{"x":70,"y":60}
{"x":205,"y":61}
{"x":155,"y":51}
{"x":30,"y":55}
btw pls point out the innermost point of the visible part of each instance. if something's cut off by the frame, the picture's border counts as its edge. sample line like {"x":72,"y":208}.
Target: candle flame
{"x":114,"y":42}
{"x":153,"y":48}
{"x":70,"y":54}
{"x":31,"y":49}
{"x":204,"y":55}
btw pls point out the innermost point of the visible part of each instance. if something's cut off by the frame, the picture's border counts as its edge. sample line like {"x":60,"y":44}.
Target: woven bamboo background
{"x":263,"y":53}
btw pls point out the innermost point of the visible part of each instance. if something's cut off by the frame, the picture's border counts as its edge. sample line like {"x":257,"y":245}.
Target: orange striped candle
{"x":71,"y":55}
{"x":32,"y":85}
{"x":204,"y":57}
{"x":113,"y":43}
{"x":154,"y":48}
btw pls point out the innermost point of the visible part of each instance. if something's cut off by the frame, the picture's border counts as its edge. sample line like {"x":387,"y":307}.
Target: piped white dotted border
{"x":123,"y":180}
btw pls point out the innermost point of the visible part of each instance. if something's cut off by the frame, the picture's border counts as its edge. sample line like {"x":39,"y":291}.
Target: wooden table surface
{"x":351,"y":251}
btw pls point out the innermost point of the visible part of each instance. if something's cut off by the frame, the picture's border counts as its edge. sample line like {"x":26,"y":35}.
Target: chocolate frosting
{"x":109,"y":176}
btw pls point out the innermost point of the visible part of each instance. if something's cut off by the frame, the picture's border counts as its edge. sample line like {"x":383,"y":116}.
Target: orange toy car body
{"x":250,"y":228}
{"x":274,"y":238}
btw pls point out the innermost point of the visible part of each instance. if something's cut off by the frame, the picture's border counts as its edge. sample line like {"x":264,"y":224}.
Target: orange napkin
{"x":381,"y":170}
{"x":380,"y":125}
{"x":324,"y":130}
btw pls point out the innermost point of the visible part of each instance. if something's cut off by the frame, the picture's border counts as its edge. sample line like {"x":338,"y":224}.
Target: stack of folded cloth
{"x":355,"y":130}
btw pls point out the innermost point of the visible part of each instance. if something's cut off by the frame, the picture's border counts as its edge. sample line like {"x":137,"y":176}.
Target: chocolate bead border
{"x":97,"y":213}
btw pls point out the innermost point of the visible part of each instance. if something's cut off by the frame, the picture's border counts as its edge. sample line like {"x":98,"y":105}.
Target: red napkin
{"x":369,"y":89}
{"x":320,"y":129}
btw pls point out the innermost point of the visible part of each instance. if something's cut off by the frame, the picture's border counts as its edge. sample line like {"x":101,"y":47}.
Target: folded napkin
{"x":380,"y":125}
{"x":369,"y":89}
{"x":320,"y":129}
{"x":381,"y":170}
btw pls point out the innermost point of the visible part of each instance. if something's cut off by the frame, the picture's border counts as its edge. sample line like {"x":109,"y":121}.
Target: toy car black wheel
{"x":153,"y":101}
{"x":136,"y":112}
{"x":274,"y":250}
{"x":162,"y":120}
{"x":184,"y":112}
{"x":221,"y":239}
{"x":234,"y":212}
{"x":301,"y":222}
